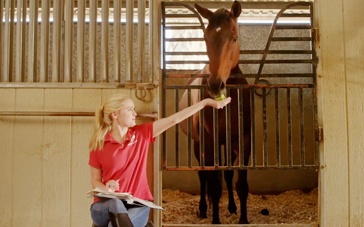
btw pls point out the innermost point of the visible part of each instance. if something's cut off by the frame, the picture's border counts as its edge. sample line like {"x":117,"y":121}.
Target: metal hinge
{"x":319,"y":134}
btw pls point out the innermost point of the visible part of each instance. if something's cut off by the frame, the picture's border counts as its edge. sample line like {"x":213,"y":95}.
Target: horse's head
{"x":222,"y":45}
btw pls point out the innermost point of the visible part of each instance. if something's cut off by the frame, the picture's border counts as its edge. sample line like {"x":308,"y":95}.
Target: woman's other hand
{"x":112,"y":186}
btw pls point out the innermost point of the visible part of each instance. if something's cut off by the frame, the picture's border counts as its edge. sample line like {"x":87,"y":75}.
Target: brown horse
{"x":221,"y":37}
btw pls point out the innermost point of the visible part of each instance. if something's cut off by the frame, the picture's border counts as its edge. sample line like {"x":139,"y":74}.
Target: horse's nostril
{"x":222,"y":86}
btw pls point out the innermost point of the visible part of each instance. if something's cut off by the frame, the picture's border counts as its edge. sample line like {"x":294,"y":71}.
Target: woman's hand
{"x":112,"y":185}
{"x":219,"y":104}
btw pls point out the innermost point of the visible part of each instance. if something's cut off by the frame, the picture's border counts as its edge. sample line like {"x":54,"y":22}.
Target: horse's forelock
{"x":219,"y":17}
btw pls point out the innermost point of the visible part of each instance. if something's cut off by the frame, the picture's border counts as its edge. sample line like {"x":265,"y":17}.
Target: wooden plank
{"x":82,"y":128}
{"x":354,"y":52}
{"x":27,"y":162}
{"x":6,"y":162}
{"x":56,"y":160}
{"x":333,"y":190}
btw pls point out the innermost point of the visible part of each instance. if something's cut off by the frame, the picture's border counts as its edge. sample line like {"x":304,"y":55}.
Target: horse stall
{"x":278,"y":59}
{"x":59,"y":60}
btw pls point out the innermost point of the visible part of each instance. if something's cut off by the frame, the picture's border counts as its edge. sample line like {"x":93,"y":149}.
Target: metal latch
{"x":319,"y":134}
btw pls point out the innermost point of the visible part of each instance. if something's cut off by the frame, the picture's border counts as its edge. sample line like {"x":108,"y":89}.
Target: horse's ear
{"x":205,"y":13}
{"x":236,"y":9}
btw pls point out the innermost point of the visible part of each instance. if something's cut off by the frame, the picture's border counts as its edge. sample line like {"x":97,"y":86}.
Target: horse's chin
{"x":217,"y":94}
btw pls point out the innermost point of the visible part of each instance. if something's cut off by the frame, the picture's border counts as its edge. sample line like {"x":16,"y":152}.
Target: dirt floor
{"x":290,"y":207}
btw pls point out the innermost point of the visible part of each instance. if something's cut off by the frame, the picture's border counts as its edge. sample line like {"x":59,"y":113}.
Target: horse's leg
{"x":203,"y":205}
{"x":202,"y":175}
{"x":214,"y":189}
{"x":242,"y":189}
{"x":229,"y":175}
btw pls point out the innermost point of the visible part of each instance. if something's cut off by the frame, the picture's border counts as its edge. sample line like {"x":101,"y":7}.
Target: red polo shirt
{"x":126,"y":162}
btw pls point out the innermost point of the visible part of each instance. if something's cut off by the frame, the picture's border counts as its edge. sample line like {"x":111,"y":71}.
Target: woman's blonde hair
{"x":103,"y":120}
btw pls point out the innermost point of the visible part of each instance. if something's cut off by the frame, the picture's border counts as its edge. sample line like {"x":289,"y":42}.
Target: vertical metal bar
{"x":105,"y":41}
{"x":302,"y":124}
{"x":116,"y":46}
{"x":215,"y":117}
{"x":92,"y":40}
{"x":314,"y":91}
{"x":141,"y":39}
{"x":19,"y":56}
{"x":228,"y":132}
{"x":2,"y":44}
{"x":290,"y":152}
{"x":189,"y":130}
{"x":152,"y":40}
{"x":7,"y":45}
{"x":177,"y":154}
{"x":24,"y":35}
{"x":252,"y":93}
{"x":80,"y":40}
{"x":129,"y":40}
{"x":68,"y":42}
{"x":202,"y":134}
{"x":240,"y":93}
{"x":56,"y":45}
{"x":32,"y":42}
{"x":278,"y":120}
{"x":265,"y":137}
{"x":163,"y":82}
{"x":44,"y":41}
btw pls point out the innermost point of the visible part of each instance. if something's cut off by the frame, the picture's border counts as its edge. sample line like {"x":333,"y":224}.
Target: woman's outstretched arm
{"x":159,"y":126}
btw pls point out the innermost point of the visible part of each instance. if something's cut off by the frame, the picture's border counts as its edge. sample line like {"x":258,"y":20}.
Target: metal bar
{"x":129,"y":40}
{"x":19,"y":53}
{"x":116,"y":46}
{"x":92,"y":40}
{"x":63,"y":114}
{"x":202,"y":135}
{"x":289,"y":119}
{"x":288,"y":39}
{"x":302,"y":124}
{"x":276,"y":51}
{"x":265,"y":134}
{"x":252,"y":112}
{"x":68,"y":41}
{"x":209,"y":168}
{"x":141,"y":39}
{"x":105,"y":41}
{"x":176,"y":135}
{"x":2,"y":44}
{"x":56,"y":41}
{"x":227,"y":147}
{"x":241,"y":127}
{"x":189,"y":130}
{"x":169,"y":27}
{"x":6,"y":48}
{"x":215,"y":117}
{"x":278,"y":120}
{"x":33,"y":42}
{"x":44,"y":41}
{"x":184,"y":39}
{"x":80,"y":40}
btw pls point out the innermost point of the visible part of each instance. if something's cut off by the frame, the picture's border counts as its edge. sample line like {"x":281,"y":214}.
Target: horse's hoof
{"x":232,"y":209}
{"x":216,"y":222}
{"x":202,"y":215}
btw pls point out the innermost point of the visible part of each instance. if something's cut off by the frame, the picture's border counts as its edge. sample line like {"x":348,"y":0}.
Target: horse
{"x":221,"y":38}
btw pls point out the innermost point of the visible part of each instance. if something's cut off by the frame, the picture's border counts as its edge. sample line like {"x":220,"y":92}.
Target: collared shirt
{"x":126,"y":162}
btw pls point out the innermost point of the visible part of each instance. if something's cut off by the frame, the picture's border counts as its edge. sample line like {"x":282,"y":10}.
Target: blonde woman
{"x":118,"y":157}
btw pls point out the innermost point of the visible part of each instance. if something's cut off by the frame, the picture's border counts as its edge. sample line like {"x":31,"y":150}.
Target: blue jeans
{"x":138,"y":215}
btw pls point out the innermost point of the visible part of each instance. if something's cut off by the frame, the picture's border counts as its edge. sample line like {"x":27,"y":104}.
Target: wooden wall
{"x":341,"y":93}
{"x":44,"y":160}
